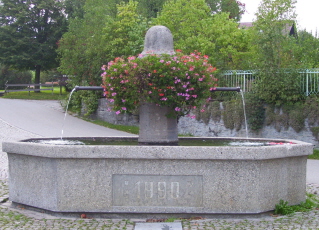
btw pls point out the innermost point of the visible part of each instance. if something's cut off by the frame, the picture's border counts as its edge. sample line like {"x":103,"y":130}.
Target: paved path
{"x":20,"y":119}
{"x":46,"y":119}
{"x":23,"y":119}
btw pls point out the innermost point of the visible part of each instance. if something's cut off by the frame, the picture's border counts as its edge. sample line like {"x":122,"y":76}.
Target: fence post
{"x":307,"y":83}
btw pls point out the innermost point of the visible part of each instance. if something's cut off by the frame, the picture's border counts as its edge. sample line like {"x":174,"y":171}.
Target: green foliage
{"x":311,"y":110}
{"x":178,"y":81}
{"x":83,"y":102}
{"x":207,"y":111}
{"x":297,"y":117}
{"x":74,"y":9}
{"x":233,"y":114}
{"x":43,"y":95}
{"x":215,"y":111}
{"x":99,"y":37}
{"x":286,"y":116}
{"x":195,"y":28}
{"x":284,"y":209}
{"x":13,"y":76}
{"x":308,"y":54}
{"x":124,"y":128}
{"x":255,"y":111}
{"x":150,"y":8}
{"x":276,"y":53}
{"x":315,"y":132}
{"x":29,"y":32}
{"x":315,"y":155}
{"x":233,"y":7}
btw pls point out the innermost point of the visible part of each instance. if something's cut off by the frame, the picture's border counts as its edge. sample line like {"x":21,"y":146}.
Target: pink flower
{"x":202,"y":110}
{"x":194,"y":96}
{"x":118,"y":112}
{"x":113,"y":94}
{"x":123,"y":108}
{"x":177,"y":109}
{"x":200,"y":79}
{"x":164,"y":99}
{"x":123,"y":100}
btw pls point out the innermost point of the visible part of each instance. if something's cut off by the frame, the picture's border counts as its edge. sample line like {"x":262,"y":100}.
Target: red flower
{"x":154,"y":71}
{"x":161,"y":94}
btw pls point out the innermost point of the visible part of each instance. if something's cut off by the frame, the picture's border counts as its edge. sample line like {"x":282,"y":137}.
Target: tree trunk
{"x":37,"y":78}
{"x":155,"y":127}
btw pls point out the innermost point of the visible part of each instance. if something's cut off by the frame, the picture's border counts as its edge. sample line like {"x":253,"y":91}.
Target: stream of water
{"x":244,"y":106}
{"x":66,"y":112}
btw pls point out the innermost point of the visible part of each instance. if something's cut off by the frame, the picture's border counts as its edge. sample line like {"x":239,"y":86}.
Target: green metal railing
{"x":309,"y":80}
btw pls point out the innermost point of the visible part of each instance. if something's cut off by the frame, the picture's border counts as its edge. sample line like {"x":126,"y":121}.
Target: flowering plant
{"x":179,"y":81}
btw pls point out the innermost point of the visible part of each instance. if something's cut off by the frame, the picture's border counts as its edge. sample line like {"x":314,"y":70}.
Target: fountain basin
{"x":181,"y":180}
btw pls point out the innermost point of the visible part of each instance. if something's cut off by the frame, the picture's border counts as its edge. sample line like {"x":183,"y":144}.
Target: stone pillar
{"x":155,"y":126}
{"x":158,"y":40}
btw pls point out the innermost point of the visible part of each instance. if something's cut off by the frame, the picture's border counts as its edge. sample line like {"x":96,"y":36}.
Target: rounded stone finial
{"x":158,"y":40}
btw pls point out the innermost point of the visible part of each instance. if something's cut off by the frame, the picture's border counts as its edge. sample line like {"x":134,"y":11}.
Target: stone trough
{"x":157,"y":180}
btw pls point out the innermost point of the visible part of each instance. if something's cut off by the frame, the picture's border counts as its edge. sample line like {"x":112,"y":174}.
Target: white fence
{"x":309,"y":80}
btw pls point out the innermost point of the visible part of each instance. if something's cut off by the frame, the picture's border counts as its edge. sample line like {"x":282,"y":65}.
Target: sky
{"x":306,"y":10}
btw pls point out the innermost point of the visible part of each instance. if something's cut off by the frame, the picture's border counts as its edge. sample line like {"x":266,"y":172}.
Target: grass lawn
{"x":124,"y":128}
{"x":43,"y":95}
{"x":315,"y":155}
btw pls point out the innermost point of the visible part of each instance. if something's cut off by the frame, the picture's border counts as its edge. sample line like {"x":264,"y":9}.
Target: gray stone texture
{"x":158,"y":226}
{"x":234,"y":179}
{"x":158,"y":40}
{"x":155,"y":126}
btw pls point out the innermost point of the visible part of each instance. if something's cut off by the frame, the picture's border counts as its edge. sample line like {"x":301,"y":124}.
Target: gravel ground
{"x":19,"y":218}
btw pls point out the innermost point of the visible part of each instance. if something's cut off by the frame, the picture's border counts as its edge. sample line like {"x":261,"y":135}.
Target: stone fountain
{"x":160,"y":178}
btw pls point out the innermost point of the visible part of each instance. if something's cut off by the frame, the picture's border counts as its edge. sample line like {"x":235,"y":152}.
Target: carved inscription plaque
{"x":150,"y":190}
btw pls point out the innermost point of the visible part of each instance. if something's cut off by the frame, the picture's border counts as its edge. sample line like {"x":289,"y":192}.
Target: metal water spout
{"x":95,"y":88}
{"x":236,"y":89}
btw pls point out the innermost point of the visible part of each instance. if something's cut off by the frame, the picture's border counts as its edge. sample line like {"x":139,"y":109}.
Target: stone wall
{"x":189,"y":126}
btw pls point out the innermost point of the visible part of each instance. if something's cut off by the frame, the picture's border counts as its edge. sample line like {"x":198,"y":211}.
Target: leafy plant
{"x":255,"y":111}
{"x":284,"y":209}
{"x":178,"y":81}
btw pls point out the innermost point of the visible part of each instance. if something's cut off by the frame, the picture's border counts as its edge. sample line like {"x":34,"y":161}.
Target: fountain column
{"x":155,"y":126}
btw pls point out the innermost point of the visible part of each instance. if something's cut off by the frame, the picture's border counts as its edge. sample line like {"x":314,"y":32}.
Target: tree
{"x":233,"y":7}
{"x":308,"y":50}
{"x":277,"y":52}
{"x":74,"y":8}
{"x":195,"y":28}
{"x":99,"y":38}
{"x":13,"y":76}
{"x":150,"y":8}
{"x":29,"y":32}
